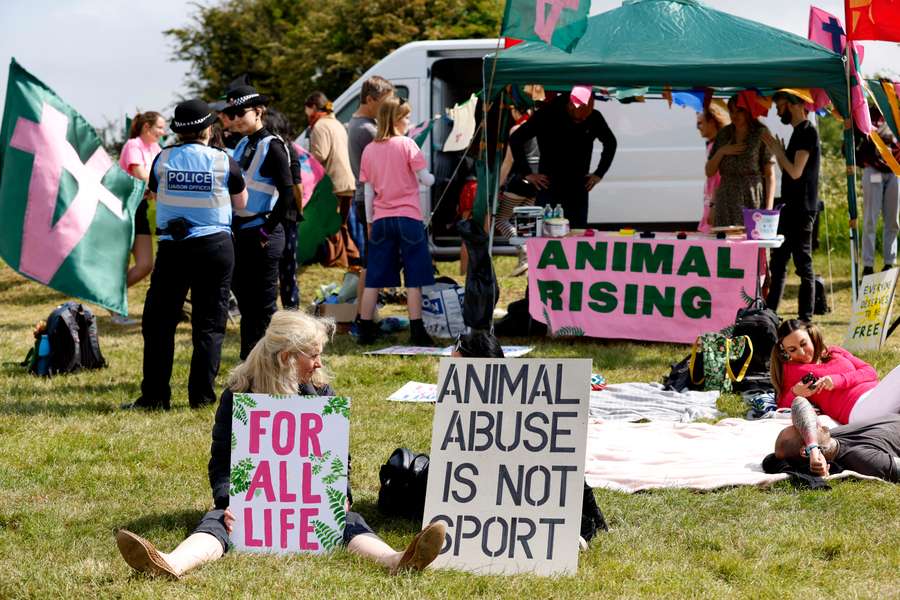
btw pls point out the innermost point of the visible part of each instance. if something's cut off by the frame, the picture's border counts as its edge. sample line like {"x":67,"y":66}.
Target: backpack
{"x":404,"y":478}
{"x":72,"y":332}
{"x":760,"y":324}
{"x":718,"y":359}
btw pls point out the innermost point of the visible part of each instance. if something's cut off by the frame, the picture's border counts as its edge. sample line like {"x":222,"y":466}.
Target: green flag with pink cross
{"x":66,"y":209}
{"x":560,"y":23}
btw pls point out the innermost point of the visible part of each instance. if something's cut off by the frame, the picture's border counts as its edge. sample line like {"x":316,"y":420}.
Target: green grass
{"x":73,"y":468}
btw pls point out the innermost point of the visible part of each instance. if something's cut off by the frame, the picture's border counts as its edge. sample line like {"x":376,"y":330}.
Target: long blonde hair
{"x":266,"y":371}
{"x":391,"y":110}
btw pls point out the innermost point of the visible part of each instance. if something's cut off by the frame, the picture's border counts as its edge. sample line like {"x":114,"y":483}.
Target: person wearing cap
{"x":259,"y":230}
{"x":799,"y":164}
{"x":565,"y":132}
{"x":196,"y":188}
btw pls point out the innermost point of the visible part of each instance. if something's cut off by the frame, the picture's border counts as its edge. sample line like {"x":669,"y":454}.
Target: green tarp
{"x":680,"y":43}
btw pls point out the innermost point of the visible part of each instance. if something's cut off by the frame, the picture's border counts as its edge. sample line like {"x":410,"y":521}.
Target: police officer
{"x":196,"y":188}
{"x":259,"y":233}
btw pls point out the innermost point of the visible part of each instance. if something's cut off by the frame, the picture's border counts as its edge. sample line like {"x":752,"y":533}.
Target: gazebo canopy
{"x":677,"y":43}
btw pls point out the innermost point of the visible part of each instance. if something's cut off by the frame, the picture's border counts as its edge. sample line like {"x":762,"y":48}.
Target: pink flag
{"x":827,"y":30}
{"x":311,"y":172}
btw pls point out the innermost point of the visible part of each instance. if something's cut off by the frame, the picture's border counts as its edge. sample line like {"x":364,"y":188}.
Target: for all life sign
{"x":507,"y":464}
{"x":872,"y":311}
{"x":289,"y":472}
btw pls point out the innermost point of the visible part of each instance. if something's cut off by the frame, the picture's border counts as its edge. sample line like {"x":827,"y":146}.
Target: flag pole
{"x":850,"y":155}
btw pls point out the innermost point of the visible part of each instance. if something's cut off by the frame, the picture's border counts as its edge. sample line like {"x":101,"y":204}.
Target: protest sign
{"x":289,"y":472}
{"x":871,"y":311}
{"x":507,"y":463}
{"x":661,"y":289}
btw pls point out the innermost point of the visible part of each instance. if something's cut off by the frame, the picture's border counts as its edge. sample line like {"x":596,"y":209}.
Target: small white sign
{"x":872,"y":311}
{"x":289,"y":472}
{"x":507,"y":463}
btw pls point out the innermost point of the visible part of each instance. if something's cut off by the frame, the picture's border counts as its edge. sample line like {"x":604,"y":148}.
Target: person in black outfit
{"x":800,"y":194}
{"x":195,"y":188}
{"x":259,"y":229}
{"x":287,"y":360}
{"x":565,"y":131}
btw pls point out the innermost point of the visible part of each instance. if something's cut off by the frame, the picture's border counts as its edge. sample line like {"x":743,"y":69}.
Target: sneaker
{"x":143,"y":557}
{"x":122,"y":320}
{"x":868,"y":271}
{"x":887,"y":267}
{"x":142,"y":404}
{"x":421,"y":338}
{"x":522,"y":266}
{"x":582,"y":544}
{"x":422,"y":551}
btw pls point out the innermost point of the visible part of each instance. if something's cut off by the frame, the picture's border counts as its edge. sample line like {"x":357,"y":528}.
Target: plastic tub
{"x":761,"y":224}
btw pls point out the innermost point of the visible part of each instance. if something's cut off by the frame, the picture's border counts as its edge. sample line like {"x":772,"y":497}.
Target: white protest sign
{"x":507,"y":463}
{"x":289,"y":472}
{"x":872,"y":311}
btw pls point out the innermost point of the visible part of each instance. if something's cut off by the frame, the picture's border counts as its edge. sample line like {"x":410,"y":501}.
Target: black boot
{"x":417,"y":334}
{"x":368,"y":332}
{"x":144,"y":404}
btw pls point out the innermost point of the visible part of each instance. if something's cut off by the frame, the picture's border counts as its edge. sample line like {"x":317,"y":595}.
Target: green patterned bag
{"x":713,"y":357}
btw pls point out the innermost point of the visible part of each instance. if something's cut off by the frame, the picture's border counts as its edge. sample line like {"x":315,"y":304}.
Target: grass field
{"x":73,"y":468}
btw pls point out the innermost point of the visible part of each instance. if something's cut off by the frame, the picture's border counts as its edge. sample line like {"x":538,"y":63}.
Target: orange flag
{"x":873,"y":19}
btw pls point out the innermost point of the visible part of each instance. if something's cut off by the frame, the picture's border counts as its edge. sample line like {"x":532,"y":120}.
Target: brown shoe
{"x":423,"y":549}
{"x":142,"y":556}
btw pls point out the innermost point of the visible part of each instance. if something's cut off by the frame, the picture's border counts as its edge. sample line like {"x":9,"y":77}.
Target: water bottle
{"x":43,"y":361}
{"x":548,"y":212}
{"x":558,"y":212}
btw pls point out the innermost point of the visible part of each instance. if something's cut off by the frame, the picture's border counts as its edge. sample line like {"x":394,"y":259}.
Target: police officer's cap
{"x":244,"y":96}
{"x":192,"y":115}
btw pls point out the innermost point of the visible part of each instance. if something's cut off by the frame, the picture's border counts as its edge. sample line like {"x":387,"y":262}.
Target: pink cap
{"x":581,"y":95}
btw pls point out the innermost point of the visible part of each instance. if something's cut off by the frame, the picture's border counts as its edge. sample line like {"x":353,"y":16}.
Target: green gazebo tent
{"x":681,"y":44}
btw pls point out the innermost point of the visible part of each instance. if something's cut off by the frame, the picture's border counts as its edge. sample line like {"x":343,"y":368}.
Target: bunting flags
{"x":874,"y":19}
{"x":66,"y":208}
{"x":560,"y":23}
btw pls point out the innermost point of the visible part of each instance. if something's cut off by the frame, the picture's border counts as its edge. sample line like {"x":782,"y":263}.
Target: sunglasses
{"x":235,"y":113}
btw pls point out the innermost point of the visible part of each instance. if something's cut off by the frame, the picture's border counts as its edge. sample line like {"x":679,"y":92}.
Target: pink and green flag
{"x":66,"y":208}
{"x":560,"y":23}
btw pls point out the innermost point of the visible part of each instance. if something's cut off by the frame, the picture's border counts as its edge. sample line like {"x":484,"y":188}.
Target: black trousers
{"x":287,"y":268}
{"x":213,"y":523}
{"x":797,"y":227}
{"x":255,"y":282}
{"x":202,"y":265}
{"x":573,"y":198}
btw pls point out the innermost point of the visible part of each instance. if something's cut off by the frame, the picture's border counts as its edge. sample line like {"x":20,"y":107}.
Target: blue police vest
{"x":261,"y":192}
{"x":193,"y":184}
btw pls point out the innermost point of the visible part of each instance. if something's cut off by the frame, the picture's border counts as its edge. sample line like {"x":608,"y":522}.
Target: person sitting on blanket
{"x":287,"y":360}
{"x":482,"y":344}
{"x":870,"y":447}
{"x":841,"y":385}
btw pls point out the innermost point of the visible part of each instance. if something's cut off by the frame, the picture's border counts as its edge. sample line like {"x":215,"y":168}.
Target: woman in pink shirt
{"x":392,"y":167}
{"x":841,"y":385}
{"x":136,"y":159}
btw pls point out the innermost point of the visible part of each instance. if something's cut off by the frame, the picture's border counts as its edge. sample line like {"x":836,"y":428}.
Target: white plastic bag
{"x":442,"y":310}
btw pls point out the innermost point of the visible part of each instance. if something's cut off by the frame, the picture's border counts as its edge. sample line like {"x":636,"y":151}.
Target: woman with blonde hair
{"x":841,"y":385}
{"x":713,"y":118}
{"x":392,"y":167}
{"x":287,"y":360}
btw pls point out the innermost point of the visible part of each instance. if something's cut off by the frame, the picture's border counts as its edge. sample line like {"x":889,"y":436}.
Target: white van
{"x":656,"y":179}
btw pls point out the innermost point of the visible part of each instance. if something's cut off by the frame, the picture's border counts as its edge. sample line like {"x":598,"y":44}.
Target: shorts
{"x":395,"y":241}
{"x":141,"y":222}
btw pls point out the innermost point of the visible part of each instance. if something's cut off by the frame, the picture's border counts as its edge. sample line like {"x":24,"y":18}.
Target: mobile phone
{"x":809,"y":379}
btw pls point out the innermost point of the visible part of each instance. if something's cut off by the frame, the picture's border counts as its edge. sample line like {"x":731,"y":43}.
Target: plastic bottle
{"x":43,"y":361}
{"x":548,"y":212}
{"x":558,"y":212}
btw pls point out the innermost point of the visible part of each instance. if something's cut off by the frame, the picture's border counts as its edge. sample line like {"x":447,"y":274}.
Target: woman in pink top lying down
{"x":841,"y":385}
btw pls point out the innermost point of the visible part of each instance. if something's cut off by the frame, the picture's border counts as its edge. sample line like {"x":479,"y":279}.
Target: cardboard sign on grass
{"x":507,"y":463}
{"x":289,"y":472}
{"x":871,"y":311}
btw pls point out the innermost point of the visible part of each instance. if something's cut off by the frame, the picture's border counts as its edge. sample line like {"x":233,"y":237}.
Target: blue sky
{"x":110,"y":57}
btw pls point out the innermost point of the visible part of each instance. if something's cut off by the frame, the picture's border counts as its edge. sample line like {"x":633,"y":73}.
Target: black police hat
{"x":244,"y":96}
{"x":192,"y":115}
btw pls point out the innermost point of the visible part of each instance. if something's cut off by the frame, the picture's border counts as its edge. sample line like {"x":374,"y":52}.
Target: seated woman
{"x":841,"y":385}
{"x":288,"y":360}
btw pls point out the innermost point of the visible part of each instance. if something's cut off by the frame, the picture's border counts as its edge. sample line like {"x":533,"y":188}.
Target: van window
{"x":348,"y":109}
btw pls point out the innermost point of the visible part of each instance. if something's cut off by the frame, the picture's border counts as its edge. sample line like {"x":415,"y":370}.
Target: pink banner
{"x":661,"y":289}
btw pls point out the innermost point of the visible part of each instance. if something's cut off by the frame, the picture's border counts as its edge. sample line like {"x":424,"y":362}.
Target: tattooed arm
{"x":803,"y":416}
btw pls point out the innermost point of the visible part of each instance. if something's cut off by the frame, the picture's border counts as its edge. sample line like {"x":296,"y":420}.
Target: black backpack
{"x":404,"y":478}
{"x":760,"y":324}
{"x":820,"y":306}
{"x":72,"y":332}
